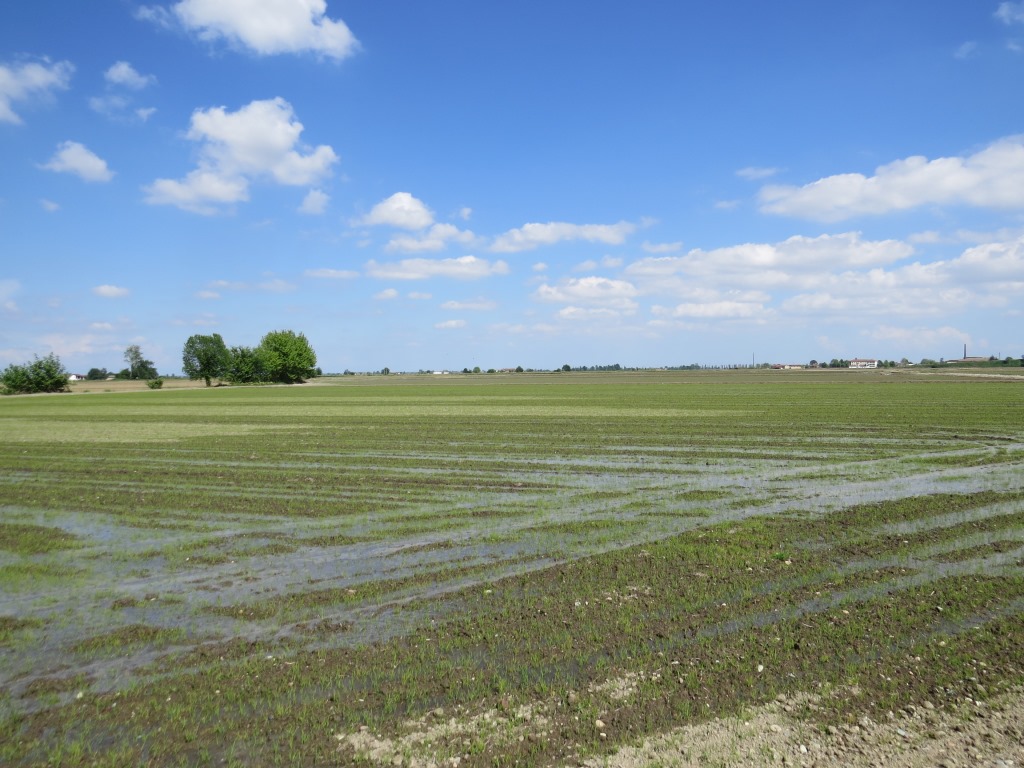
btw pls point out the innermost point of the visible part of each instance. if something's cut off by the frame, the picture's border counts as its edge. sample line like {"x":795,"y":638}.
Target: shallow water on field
{"x":409,"y":547}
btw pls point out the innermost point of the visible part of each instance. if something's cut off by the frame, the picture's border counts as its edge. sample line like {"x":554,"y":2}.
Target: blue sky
{"x":454,"y":183}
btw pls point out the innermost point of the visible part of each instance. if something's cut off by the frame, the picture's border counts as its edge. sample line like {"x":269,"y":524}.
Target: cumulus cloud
{"x":434,"y":239}
{"x":30,"y":80}
{"x":662,"y":247}
{"x":965,"y":50}
{"x":531,"y":236}
{"x":8,"y":289}
{"x":315,"y":202}
{"x":331,"y":274}
{"x":124,"y":74}
{"x":111,"y":291}
{"x":270,"y":285}
{"x":1010,"y":13}
{"x":265,"y":27}
{"x":920,"y":336}
{"x":450,"y":324}
{"x":990,"y":178}
{"x":74,"y":158}
{"x":259,"y":141}
{"x":462,"y":268}
{"x":753,"y":173}
{"x":712,"y":310}
{"x":110,"y":105}
{"x":990,"y":262}
{"x":591,"y":291}
{"x":401,"y":210}
{"x":386,"y":294}
{"x":777,"y":264}
{"x":477,"y":305}
{"x":589,"y":313}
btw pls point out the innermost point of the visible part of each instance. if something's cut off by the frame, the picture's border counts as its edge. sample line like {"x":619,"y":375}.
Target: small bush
{"x":155,"y":383}
{"x":44,"y":374}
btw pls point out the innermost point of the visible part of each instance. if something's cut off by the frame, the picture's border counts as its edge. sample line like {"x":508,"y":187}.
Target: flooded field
{"x":328,"y":574}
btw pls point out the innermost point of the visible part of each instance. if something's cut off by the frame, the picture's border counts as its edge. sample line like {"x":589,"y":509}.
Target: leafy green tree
{"x":245,"y":366}
{"x":138,"y":366}
{"x":43,"y":374}
{"x":205,"y":357}
{"x":96,"y":374}
{"x":288,"y":357}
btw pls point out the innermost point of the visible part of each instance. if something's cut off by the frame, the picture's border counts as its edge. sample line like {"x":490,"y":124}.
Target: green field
{"x":385,"y":570}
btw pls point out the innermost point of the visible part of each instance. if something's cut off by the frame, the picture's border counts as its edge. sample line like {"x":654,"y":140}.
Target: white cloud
{"x":331,"y":274}
{"x":465,"y":213}
{"x":271,"y":285}
{"x":856,"y":298}
{"x":49,"y":206}
{"x":990,"y":178}
{"x":476,"y":305}
{"x":101,"y":326}
{"x":966,"y":50}
{"x":759,"y":264}
{"x":198,"y":192}
{"x":599,"y":291}
{"x":462,"y":268}
{"x":386,"y":294}
{"x":24,"y":82}
{"x":124,"y":74}
{"x":1010,"y":13}
{"x":8,"y":289}
{"x":259,"y":141}
{"x":264,"y":27}
{"x":72,"y":157}
{"x":450,"y":324}
{"x":920,"y":336}
{"x":315,"y":202}
{"x":434,"y":239}
{"x":531,"y":236}
{"x":662,"y":247}
{"x":592,"y":313}
{"x":540,"y":266}
{"x":208,"y":295}
{"x":401,"y":210}
{"x":991,"y":262}
{"x":713,"y":310}
{"x":116,"y":107}
{"x":276,"y":285}
{"x":110,"y":291}
{"x":753,"y":173}
{"x":419,"y":296}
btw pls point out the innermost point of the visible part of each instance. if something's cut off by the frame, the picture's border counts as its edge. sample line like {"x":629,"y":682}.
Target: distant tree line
{"x":282,"y":356}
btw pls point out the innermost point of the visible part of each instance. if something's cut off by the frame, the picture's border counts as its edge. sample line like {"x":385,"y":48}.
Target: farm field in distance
{"x":537,"y":569}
